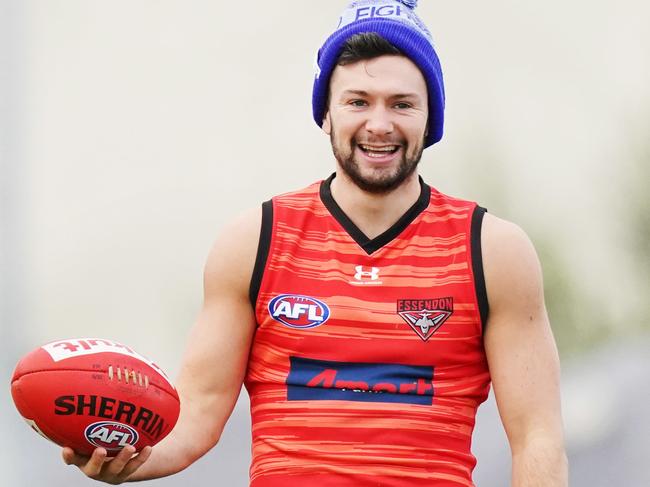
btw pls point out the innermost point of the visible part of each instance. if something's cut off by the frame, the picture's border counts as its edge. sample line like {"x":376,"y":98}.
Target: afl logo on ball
{"x":111,"y":435}
{"x":297,"y":311}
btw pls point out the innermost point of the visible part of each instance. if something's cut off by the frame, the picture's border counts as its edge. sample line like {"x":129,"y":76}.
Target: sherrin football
{"x":90,"y":392}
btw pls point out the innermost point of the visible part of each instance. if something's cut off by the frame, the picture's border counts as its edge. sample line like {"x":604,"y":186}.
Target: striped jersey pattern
{"x":367,"y":365}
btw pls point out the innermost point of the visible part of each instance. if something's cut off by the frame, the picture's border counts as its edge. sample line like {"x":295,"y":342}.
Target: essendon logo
{"x":425,"y":316}
{"x":324,"y":380}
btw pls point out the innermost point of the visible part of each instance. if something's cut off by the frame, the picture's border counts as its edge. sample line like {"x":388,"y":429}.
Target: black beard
{"x":384,"y":184}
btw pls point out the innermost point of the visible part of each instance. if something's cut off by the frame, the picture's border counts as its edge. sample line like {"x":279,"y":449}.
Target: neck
{"x":374,"y":213}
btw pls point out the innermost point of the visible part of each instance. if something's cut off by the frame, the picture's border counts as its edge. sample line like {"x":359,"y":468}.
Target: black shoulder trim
{"x":477,"y":264}
{"x":372,"y":245}
{"x":263,"y":248}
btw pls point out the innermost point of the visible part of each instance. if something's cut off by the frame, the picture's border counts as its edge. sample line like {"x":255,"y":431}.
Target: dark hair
{"x":366,"y":45}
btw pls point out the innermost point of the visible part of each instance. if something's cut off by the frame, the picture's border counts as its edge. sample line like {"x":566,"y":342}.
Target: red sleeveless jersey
{"x":368,"y":364}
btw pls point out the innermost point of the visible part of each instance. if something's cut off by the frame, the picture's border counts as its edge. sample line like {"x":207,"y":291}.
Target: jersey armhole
{"x":263,"y":248}
{"x":477,"y":264}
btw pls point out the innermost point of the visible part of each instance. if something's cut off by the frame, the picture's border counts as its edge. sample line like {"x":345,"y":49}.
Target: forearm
{"x":542,"y":462}
{"x":166,"y":459}
{"x":194,"y":435}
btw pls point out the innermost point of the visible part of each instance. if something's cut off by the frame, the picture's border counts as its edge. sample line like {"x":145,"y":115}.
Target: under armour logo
{"x":372,"y":274}
{"x":366,"y":275}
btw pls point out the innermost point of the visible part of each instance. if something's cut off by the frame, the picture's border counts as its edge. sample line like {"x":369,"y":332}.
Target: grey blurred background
{"x":130,"y":132}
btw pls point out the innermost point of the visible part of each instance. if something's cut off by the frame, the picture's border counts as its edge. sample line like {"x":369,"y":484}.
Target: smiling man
{"x":377,"y":120}
{"x":368,"y":314}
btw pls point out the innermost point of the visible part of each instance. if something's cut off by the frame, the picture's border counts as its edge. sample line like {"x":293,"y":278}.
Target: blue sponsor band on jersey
{"x":311,"y":379}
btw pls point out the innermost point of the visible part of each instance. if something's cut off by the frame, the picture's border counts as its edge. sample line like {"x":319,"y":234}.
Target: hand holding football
{"x":86,"y":393}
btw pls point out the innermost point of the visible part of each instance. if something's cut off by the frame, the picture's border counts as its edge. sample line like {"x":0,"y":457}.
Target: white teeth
{"x":374,"y":154}
{"x":389,"y":148}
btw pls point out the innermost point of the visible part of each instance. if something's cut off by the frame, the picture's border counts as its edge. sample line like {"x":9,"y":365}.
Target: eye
{"x":403,"y":105}
{"x":358,"y":103}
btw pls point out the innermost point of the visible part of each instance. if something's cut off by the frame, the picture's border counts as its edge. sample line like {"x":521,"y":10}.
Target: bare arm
{"x":212,"y":370}
{"x":523,"y":358}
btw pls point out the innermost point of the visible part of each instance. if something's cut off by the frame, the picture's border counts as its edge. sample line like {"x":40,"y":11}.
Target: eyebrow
{"x":392,"y":97}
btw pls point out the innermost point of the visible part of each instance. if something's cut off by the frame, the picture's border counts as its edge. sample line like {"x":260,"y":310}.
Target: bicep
{"x":216,"y":355}
{"x":519,"y":344}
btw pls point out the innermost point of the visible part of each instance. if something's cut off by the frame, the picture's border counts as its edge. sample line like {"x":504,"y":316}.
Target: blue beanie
{"x":396,"y":22}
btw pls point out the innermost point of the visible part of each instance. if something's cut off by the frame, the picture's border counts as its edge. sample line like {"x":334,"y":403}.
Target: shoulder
{"x":439,"y":198}
{"x":512,"y":269}
{"x":307,"y":193}
{"x":499,"y":234}
{"x":232,"y":257}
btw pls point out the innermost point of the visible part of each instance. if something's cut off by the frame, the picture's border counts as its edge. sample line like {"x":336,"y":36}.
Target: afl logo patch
{"x":296,"y":311}
{"x":111,"y":435}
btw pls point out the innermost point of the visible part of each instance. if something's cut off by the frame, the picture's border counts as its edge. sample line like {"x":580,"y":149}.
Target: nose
{"x":379,"y":121}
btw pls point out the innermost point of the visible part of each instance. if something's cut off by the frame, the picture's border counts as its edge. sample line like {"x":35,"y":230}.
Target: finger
{"x":136,"y":462}
{"x":117,"y":464}
{"x":93,"y":467}
{"x":71,"y":458}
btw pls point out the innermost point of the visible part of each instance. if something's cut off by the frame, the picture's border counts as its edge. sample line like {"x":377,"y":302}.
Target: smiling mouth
{"x":378,"y":151}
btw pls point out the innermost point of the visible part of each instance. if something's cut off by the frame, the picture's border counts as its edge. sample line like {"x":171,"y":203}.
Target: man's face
{"x":377,"y":121}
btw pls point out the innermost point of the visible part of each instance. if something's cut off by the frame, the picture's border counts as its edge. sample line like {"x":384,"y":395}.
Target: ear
{"x":327,"y":124}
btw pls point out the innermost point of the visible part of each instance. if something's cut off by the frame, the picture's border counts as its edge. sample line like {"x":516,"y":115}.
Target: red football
{"x":90,"y":392}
